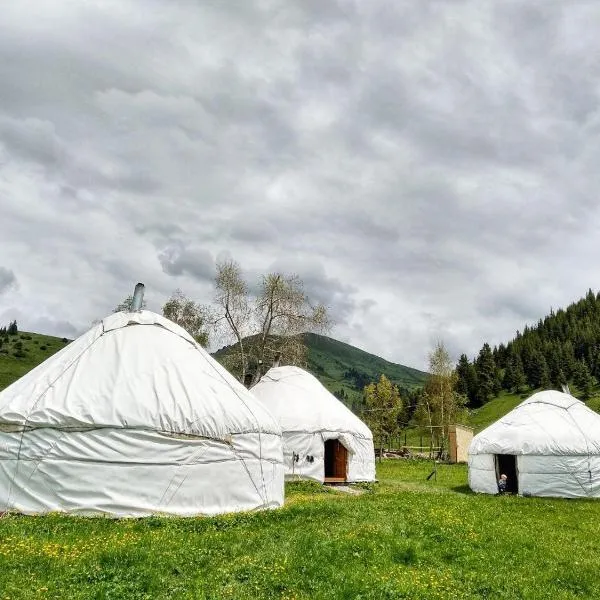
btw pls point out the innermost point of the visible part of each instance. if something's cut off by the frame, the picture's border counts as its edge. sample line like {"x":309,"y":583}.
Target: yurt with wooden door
{"x":134,"y":418}
{"x":549,"y":445}
{"x":322,"y":438}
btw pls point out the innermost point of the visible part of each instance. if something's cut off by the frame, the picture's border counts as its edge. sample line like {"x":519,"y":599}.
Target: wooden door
{"x":341,"y":460}
{"x":336,"y":460}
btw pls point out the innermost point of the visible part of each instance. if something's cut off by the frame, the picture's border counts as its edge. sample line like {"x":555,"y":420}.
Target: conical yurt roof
{"x":134,"y":370}
{"x":300,"y":402}
{"x":547,"y":423}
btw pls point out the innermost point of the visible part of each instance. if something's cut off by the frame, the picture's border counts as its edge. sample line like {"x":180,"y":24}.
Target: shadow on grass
{"x":463,"y":489}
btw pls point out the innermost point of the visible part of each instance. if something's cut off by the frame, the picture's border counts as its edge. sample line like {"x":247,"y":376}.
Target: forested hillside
{"x":563,"y":348}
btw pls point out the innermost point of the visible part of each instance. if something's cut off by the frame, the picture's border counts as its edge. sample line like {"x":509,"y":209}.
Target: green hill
{"x":345,"y":369}
{"x":22,"y":352}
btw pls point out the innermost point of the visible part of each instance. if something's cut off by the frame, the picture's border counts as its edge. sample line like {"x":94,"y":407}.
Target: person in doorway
{"x":502,"y":484}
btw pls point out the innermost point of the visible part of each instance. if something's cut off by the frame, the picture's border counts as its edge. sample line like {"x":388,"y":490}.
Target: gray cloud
{"x":7,"y":280}
{"x":428,"y":168}
{"x":179,"y":259}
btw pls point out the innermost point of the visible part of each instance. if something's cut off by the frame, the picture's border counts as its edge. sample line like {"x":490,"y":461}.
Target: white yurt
{"x":322,"y":438}
{"x":131,"y":419}
{"x":549,"y":445}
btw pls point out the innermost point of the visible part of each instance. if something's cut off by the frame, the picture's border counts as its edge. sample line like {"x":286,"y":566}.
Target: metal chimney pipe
{"x":138,"y":298}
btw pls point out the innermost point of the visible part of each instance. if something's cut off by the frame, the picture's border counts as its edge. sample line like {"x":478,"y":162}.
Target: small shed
{"x":459,"y":440}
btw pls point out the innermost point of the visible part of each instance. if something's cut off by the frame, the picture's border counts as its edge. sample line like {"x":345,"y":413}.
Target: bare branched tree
{"x":234,"y":312}
{"x":270,"y":324}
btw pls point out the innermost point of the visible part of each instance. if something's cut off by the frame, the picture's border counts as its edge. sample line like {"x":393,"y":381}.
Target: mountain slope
{"x":345,"y":370}
{"x":561,"y":348}
{"x":340,"y":366}
{"x":22,"y":352}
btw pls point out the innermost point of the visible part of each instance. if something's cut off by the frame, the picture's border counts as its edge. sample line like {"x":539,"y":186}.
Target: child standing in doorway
{"x":502,"y":484}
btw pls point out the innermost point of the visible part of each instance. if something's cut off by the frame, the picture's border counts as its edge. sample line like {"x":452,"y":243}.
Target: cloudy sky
{"x":429,"y":168}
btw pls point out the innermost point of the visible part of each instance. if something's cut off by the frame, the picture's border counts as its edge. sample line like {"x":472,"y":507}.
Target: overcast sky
{"x":430,"y":169}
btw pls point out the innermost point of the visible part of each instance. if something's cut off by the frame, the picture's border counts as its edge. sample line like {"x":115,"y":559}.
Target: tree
{"x":519,"y":381}
{"x":12,"y":328}
{"x":466,"y":379}
{"x":125,"y":305}
{"x":187,"y":314}
{"x":539,"y":374}
{"x":284,"y":312}
{"x":583,"y":379}
{"x":233,"y":303}
{"x":486,"y":375}
{"x":442,"y":405}
{"x":267,"y":325}
{"x":383,"y":405}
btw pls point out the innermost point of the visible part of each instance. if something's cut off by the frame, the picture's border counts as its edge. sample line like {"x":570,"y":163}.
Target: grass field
{"x":403,"y":538}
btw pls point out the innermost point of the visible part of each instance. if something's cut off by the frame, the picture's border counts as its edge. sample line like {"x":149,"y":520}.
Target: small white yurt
{"x":322,"y":438}
{"x":131,"y":419}
{"x":549,"y":445}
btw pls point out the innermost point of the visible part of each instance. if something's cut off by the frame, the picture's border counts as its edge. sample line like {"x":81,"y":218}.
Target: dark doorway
{"x":336,"y":460}
{"x":507,"y":464}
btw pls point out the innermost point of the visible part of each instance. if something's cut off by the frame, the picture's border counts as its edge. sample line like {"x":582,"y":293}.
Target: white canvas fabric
{"x":134,"y":418}
{"x":309,"y":415}
{"x":556,"y":440}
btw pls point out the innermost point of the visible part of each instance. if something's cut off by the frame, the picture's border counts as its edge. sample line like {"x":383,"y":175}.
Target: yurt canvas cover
{"x":314,"y":424}
{"x":549,"y":444}
{"x":135,"y":418}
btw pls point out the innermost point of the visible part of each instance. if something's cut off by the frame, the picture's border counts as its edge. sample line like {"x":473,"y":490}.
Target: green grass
{"x":403,"y":538}
{"x":35,"y":347}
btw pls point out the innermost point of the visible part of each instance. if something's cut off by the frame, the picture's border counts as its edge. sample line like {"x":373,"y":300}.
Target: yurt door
{"x":336,"y":460}
{"x":507,"y":464}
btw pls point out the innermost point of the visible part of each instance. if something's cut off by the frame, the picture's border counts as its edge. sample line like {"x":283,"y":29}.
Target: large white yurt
{"x":131,"y":419}
{"x":549,"y":445}
{"x":322,"y":438}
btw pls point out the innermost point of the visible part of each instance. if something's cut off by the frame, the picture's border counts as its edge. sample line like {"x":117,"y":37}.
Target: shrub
{"x":65,"y":341}
{"x":43,"y":347}
{"x":19,"y":354}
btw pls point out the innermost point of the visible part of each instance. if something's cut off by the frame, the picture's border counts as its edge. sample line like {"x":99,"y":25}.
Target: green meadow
{"x":403,"y":537}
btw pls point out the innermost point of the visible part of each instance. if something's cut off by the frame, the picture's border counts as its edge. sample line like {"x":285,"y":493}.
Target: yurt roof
{"x":547,"y":423}
{"x":134,"y":370}
{"x":301,"y":403}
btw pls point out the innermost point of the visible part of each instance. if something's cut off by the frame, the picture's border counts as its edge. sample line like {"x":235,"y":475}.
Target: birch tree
{"x":440,"y":404}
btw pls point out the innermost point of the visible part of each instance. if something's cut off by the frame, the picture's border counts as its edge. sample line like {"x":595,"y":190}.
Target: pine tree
{"x":520,"y":381}
{"x":12,"y":328}
{"x":486,"y":375}
{"x":583,"y":380}
{"x":539,"y":375}
{"x":466,"y":380}
{"x":508,"y":381}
